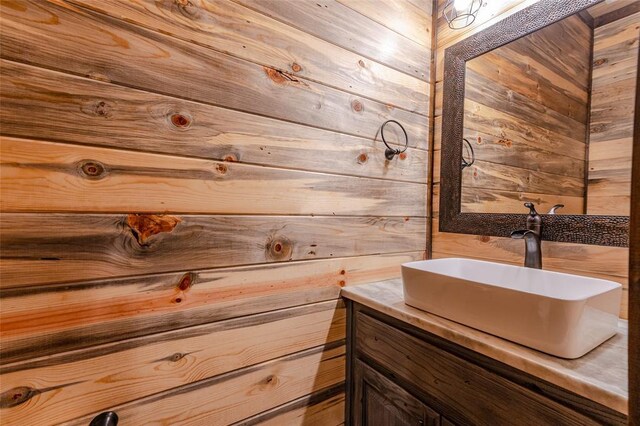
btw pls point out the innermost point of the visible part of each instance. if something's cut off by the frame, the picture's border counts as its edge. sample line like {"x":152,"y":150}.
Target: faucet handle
{"x":555,"y":208}
{"x":532,"y":209}
{"x":521,"y":233}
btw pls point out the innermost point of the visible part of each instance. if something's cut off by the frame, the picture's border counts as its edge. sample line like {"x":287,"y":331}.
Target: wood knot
{"x":479,"y":140}
{"x":357,"y":106}
{"x":599,"y":62}
{"x":231,"y":158}
{"x":177,"y":357}
{"x":102,"y":109}
{"x":342,"y":283}
{"x":485,"y":238}
{"x":95,"y":75}
{"x":17,"y":396}
{"x":221,"y":168}
{"x":144,"y":226}
{"x":279,"y":248}
{"x":362,"y":158}
{"x":403,"y":155}
{"x":507,"y":143}
{"x":282,"y":78}
{"x":180,"y":121}
{"x":186,"y":282}
{"x":271,"y":381}
{"x":361,"y":63}
{"x":342,"y":272}
{"x":187,"y":8}
{"x":92,"y":169}
{"x":295,"y":67}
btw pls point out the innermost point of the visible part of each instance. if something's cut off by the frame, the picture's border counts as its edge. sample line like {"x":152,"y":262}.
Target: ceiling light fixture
{"x":461,"y":13}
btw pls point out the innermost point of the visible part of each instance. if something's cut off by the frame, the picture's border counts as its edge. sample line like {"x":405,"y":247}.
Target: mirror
{"x":550,"y":125}
{"x":540,"y":108}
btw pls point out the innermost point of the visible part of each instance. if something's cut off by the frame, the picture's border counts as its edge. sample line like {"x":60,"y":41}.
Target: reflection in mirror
{"x":550,"y":117}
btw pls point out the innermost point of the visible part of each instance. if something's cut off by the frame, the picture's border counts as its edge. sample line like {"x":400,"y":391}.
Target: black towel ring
{"x":466,"y":163}
{"x":389,"y":153}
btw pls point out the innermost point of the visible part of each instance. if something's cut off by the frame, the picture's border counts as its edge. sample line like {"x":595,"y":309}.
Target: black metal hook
{"x":389,"y":153}
{"x":466,"y":163}
{"x":108,"y":418}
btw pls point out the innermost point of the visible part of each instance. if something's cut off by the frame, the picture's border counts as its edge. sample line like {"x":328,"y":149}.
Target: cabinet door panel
{"x":380,"y":402}
{"x":463,"y":392}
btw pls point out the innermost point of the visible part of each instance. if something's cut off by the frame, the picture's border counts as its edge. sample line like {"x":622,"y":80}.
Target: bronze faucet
{"x":531,"y":236}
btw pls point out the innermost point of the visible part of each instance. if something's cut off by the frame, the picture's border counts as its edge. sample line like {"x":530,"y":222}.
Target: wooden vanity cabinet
{"x":398,"y":374}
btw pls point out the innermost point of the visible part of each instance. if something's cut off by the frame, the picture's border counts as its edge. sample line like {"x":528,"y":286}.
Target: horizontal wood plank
{"x":400,"y":16}
{"x":255,"y":389}
{"x":342,"y":26}
{"x":479,"y":200}
{"x":485,"y":91}
{"x":47,"y":176}
{"x":498,"y":176}
{"x":503,"y":80}
{"x":39,"y":321}
{"x":54,"y":248}
{"x":522,"y":154}
{"x":90,"y":381}
{"x":314,"y":409}
{"x":490,"y":121}
{"x":233,"y":29}
{"x":49,"y":105}
{"x":170,"y":65}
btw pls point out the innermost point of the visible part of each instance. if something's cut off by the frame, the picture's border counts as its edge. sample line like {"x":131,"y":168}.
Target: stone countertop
{"x":601,"y":375}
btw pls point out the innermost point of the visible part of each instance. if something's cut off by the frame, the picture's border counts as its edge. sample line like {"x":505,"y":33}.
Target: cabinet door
{"x":380,"y":402}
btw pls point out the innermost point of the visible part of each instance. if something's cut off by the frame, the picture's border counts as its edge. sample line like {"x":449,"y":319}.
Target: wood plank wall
{"x":612,"y":104}
{"x":597,"y":261}
{"x":526,"y":117}
{"x":186,"y":186}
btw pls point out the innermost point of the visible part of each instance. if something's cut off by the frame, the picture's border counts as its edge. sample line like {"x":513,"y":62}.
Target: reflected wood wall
{"x":526,"y":117}
{"x":596,"y":261}
{"x":612,"y":106}
{"x":186,"y":186}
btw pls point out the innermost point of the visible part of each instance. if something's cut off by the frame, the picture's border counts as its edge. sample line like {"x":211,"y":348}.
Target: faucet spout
{"x":532,"y":247}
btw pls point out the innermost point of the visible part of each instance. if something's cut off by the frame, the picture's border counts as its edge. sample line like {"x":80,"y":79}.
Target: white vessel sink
{"x":560,"y":314}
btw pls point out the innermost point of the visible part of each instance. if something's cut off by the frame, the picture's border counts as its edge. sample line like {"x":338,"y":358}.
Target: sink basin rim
{"x":432,"y":265}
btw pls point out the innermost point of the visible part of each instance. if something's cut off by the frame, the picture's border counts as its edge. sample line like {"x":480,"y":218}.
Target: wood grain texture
{"x":212,"y":77}
{"x":48,"y":105}
{"x":67,"y":247}
{"x":101,"y":377}
{"x":612,"y":115}
{"x":241,"y":393}
{"x":403,"y":17}
{"x":321,"y":408}
{"x":131,"y":280}
{"x":378,"y":400}
{"x":343,"y":26}
{"x":233,"y":29}
{"x":39,"y":321}
{"x":594,"y":385}
{"x":531,"y":89}
{"x":46,"y":176}
{"x":462,"y":391}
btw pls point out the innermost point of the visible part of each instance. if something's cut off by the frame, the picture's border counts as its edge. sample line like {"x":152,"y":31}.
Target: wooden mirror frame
{"x":582,"y":229}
